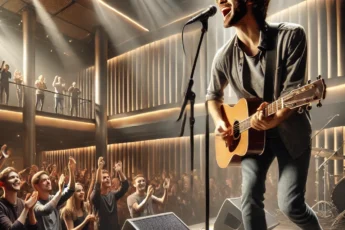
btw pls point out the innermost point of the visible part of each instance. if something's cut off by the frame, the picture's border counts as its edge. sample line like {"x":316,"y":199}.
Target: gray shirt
{"x":59,"y":89}
{"x":48,"y":217}
{"x":230,"y":66}
{"x":136,"y":198}
{"x":253,"y":74}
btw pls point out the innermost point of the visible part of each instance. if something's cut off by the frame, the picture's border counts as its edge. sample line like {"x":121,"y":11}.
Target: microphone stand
{"x":190,"y":96}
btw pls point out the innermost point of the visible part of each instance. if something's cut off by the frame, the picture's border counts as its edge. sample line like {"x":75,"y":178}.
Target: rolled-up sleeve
{"x":218,"y":80}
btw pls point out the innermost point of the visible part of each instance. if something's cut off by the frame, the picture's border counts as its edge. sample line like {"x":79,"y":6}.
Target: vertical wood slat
{"x":161,"y":70}
{"x":340,"y":6}
{"x":148,"y":157}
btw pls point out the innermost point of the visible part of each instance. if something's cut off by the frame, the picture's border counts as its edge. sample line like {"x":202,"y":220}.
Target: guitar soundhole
{"x":236,"y":136}
{"x":236,"y":129}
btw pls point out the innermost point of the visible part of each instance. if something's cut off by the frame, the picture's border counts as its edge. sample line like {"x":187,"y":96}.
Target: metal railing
{"x":47,"y":101}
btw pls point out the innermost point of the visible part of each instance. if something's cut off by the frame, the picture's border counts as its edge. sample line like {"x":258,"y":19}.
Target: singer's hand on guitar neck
{"x":259,"y":122}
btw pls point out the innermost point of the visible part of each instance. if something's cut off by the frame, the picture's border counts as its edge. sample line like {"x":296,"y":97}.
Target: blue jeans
{"x":291,"y":187}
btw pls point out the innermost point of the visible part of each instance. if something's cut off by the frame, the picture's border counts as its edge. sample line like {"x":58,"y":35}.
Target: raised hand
{"x":72,"y":164}
{"x":61,"y":182}
{"x":166,"y":183}
{"x":101,"y":162}
{"x":118,"y":166}
{"x":30,"y":200}
{"x":93,"y":175}
{"x":150,"y":191}
{"x":6,"y":151}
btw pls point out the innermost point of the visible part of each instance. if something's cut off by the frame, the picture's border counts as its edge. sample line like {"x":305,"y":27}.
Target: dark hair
{"x":260,"y":10}
{"x":4,"y":173}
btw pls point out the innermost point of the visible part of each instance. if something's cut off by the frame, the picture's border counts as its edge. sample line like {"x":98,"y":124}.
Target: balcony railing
{"x":47,"y":101}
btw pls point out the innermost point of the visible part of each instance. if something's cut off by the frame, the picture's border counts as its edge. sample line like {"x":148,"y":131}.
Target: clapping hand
{"x":30,"y":200}
{"x":61,"y":182}
{"x":72,"y":164}
{"x":166,"y":183}
{"x":118,"y":166}
{"x":150,"y":191}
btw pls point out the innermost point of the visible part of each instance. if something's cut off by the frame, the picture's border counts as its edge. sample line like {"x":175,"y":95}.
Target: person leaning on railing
{"x":5,"y":76}
{"x":74,"y":91}
{"x":41,"y":86}
{"x":59,"y":85}
{"x":18,"y":79}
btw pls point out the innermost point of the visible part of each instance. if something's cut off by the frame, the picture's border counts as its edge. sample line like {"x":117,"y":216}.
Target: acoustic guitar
{"x":246,"y":140}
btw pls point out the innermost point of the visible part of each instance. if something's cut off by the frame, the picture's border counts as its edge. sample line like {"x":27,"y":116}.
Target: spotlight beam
{"x":123,"y":15}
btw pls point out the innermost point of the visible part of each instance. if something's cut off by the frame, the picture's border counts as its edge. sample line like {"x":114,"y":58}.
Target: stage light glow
{"x":54,"y":34}
{"x":182,"y":18}
{"x":123,"y":15}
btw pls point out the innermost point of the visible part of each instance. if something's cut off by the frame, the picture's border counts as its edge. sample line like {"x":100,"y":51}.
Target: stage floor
{"x":284,"y":224}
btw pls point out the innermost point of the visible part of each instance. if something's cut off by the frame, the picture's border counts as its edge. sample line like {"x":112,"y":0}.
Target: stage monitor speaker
{"x":162,"y":221}
{"x":230,"y":216}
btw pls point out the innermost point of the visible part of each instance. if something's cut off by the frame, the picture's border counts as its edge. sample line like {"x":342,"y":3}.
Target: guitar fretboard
{"x":268,"y":111}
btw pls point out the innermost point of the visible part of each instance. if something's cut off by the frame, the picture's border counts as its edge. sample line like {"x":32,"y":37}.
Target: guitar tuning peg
{"x":319,"y":77}
{"x":300,"y":110}
{"x":309,"y":81}
{"x":308,"y":107}
{"x":319,"y":104}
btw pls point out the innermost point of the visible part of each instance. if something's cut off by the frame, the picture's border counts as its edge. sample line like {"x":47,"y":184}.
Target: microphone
{"x":209,"y":12}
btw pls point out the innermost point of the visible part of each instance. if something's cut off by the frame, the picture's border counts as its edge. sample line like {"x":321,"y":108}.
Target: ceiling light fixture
{"x":123,"y":15}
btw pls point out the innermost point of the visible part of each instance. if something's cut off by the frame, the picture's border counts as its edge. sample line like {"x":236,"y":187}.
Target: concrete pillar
{"x":29,"y":112}
{"x":101,"y":56}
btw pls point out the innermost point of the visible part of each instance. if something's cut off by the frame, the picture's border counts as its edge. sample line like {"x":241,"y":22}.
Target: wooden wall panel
{"x":148,"y":157}
{"x":157,"y":73}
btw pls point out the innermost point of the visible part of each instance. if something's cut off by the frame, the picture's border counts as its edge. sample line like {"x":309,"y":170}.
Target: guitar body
{"x":250,"y":141}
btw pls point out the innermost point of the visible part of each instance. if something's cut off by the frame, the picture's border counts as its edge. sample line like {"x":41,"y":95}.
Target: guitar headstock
{"x":314,"y":91}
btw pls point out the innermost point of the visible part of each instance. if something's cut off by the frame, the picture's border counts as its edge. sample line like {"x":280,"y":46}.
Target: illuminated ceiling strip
{"x":180,"y":19}
{"x":122,"y":15}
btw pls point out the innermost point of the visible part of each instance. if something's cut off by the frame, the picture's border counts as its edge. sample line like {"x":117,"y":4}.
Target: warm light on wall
{"x":123,"y":15}
{"x":6,"y":115}
{"x":66,"y":124}
{"x":337,"y":87}
{"x":149,"y":117}
{"x":286,"y":10}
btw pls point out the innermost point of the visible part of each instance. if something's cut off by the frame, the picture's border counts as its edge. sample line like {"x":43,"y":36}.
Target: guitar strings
{"x":237,"y":126}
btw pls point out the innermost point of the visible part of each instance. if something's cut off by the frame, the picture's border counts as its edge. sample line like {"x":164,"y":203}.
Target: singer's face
{"x":233,"y":11}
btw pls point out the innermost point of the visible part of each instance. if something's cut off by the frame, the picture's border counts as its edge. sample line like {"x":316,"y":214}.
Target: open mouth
{"x":226,"y":11}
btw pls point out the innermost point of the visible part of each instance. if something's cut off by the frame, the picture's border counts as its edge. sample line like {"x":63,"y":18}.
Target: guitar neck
{"x":268,"y":111}
{"x":273,"y":107}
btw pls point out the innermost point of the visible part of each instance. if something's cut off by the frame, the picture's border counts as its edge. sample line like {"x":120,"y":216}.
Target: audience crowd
{"x":41,"y":197}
